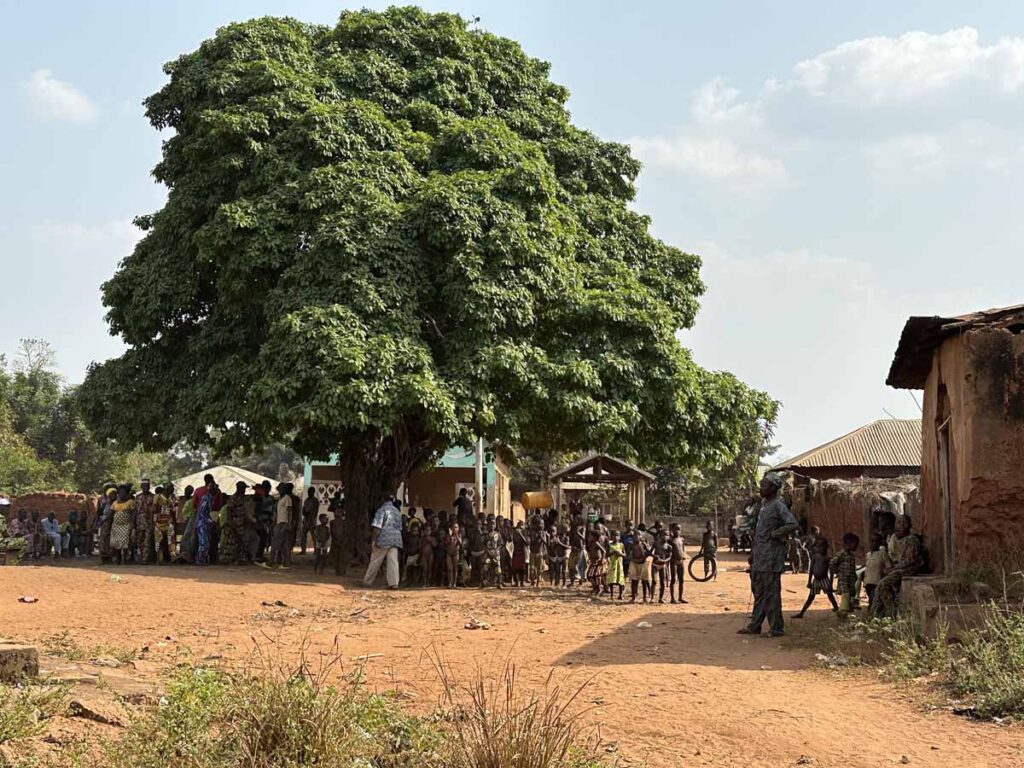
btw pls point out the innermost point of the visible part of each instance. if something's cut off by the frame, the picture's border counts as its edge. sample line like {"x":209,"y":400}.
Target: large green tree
{"x":386,"y":237}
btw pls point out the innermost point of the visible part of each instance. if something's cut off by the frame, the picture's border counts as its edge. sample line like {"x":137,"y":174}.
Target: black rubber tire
{"x":702,"y":578}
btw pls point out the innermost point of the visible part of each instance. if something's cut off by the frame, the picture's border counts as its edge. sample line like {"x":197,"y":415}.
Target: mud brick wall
{"x":977,"y":383}
{"x":59,"y":503}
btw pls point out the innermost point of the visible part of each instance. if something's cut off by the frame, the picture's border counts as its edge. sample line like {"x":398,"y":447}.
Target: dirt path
{"x":686,"y":690}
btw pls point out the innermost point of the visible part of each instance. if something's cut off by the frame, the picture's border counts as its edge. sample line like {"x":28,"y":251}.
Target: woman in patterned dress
{"x":121,"y":527}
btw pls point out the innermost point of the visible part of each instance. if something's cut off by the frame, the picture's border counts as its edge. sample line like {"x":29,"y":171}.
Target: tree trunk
{"x":366,"y":483}
{"x":372,"y":466}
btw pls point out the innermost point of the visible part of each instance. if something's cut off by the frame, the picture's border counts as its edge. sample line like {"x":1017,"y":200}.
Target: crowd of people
{"x":464,"y":547}
{"x":557,"y":548}
{"x":418,"y":548}
{"x":251,"y":525}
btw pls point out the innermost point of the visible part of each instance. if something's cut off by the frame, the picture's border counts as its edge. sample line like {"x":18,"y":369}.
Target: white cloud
{"x":717,"y":103}
{"x":715,"y":158}
{"x":916,"y":105}
{"x":915,"y":66}
{"x":53,"y":99}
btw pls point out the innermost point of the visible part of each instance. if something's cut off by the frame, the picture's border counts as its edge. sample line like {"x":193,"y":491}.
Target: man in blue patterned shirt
{"x":387,"y":541}
{"x":768,"y":558}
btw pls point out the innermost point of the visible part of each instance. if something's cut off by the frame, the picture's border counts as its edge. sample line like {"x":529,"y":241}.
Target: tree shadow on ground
{"x":301,"y":571}
{"x":685,"y":637}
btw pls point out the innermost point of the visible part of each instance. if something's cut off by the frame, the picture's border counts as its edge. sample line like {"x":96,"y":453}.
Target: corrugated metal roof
{"x":882,"y":443}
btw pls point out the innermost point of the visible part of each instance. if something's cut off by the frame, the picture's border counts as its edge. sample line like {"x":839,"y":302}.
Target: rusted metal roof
{"x":922,"y":336}
{"x":882,"y":443}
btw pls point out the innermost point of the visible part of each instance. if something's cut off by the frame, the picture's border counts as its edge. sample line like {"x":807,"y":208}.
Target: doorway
{"x":946,"y":485}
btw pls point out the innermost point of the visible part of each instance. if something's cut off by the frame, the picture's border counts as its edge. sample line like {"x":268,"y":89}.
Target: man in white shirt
{"x":387,"y":541}
{"x":52,"y":529}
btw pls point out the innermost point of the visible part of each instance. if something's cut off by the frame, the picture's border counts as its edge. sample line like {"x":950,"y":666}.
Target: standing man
{"x":265,"y":509}
{"x":768,"y":558}
{"x":310,"y":513}
{"x":386,"y":540}
{"x":145,"y":525}
{"x":281,"y":528}
{"x":295,"y":524}
{"x":463,"y":508}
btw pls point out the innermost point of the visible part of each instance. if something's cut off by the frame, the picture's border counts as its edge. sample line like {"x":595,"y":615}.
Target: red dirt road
{"x":688,"y":690}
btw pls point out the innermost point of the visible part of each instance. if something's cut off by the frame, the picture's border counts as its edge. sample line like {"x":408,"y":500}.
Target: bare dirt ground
{"x":687,"y":690}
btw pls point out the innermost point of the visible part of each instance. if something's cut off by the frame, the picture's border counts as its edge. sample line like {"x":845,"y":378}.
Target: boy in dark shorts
{"x":663,"y":556}
{"x":639,"y":568}
{"x":709,"y":548}
{"x":677,"y":567}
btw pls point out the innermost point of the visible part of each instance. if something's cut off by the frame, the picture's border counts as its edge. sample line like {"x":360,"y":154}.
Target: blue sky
{"x":839,"y":166}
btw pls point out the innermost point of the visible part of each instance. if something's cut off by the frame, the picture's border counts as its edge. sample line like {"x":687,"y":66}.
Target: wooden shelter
{"x":601,"y":469}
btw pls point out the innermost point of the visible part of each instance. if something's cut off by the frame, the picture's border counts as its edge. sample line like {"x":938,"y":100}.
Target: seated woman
{"x":16,"y":535}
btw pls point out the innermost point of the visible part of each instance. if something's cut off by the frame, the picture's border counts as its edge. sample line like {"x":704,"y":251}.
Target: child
{"x":873,"y":568}
{"x":475,"y":542}
{"x":817,"y":576}
{"x":709,"y":548}
{"x":493,"y":545}
{"x":438,"y":530}
{"x":844,"y":568}
{"x":616,"y":556}
{"x":538,"y":551}
{"x":558,"y":555}
{"x":337,"y":529}
{"x":597,"y":560}
{"x":639,"y":568}
{"x":321,"y":542}
{"x":663,"y":557}
{"x":520,"y":544}
{"x":452,"y":551}
{"x":677,"y":568}
{"x":412,"y":541}
{"x":429,"y":542}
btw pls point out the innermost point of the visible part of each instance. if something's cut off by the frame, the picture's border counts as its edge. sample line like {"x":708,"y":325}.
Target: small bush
{"x":989,"y":670}
{"x":496,"y":725}
{"x":24,"y":710}
{"x":909,"y":657}
{"x":273,"y":716}
{"x":67,"y":647}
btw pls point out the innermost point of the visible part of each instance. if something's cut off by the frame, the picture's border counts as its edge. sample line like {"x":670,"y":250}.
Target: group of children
{"x":823,"y":568}
{"x":562,"y":552}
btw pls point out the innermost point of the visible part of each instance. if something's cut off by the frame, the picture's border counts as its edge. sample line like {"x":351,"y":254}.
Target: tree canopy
{"x":386,"y":237}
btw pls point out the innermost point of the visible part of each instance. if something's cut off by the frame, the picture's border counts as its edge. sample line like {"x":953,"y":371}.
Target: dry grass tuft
{"x":495,"y":724}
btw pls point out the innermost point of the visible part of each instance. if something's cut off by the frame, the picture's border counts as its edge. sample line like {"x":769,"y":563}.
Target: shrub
{"x":496,"y":725}
{"x":909,"y":657}
{"x":272,"y":716}
{"x":23,"y":710}
{"x":989,"y":671}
